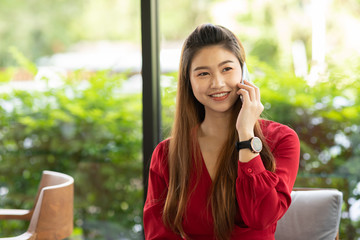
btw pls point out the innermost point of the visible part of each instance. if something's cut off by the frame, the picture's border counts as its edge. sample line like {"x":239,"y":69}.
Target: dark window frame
{"x":151,"y":100}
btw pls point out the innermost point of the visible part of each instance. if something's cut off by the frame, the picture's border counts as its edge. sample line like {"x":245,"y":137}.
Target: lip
{"x":219,"y":96}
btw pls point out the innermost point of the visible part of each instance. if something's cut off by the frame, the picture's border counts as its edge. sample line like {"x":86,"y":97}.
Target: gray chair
{"x":314,"y":214}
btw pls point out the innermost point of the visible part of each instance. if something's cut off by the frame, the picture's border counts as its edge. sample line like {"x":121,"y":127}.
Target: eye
{"x":203,"y":74}
{"x":227,"y":69}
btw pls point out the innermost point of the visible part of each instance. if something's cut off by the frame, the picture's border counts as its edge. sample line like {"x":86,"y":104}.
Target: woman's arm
{"x":248,"y":116}
{"x":263,"y":196}
{"x":154,"y":227}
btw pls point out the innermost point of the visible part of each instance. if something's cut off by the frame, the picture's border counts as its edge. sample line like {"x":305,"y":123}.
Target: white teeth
{"x":219,"y":95}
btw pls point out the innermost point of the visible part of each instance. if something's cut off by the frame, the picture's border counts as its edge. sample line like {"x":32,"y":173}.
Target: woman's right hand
{"x":250,"y":110}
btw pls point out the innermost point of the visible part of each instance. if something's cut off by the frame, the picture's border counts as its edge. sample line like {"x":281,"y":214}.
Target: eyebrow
{"x":219,"y":65}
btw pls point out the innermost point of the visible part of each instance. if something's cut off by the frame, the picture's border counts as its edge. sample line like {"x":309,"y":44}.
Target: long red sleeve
{"x":263,"y":197}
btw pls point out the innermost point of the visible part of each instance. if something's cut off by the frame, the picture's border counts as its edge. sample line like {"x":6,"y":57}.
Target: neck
{"x":216,"y":125}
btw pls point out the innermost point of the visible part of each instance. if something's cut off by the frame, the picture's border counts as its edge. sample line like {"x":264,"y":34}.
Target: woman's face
{"x":214,"y":73}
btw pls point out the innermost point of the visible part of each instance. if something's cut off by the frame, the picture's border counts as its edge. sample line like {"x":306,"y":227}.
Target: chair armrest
{"x":24,"y":236}
{"x":19,"y":214}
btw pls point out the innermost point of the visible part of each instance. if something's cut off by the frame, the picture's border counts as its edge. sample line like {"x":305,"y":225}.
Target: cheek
{"x":198,"y":92}
{"x":193,"y":88}
{"x":192,"y":85}
{"x":196,"y":87}
{"x":234,"y":79}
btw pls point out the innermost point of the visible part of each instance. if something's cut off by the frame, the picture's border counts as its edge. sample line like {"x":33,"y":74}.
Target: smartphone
{"x":245,"y":74}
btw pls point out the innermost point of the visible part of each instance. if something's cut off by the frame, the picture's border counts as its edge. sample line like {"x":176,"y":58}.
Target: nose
{"x":217,"y":81}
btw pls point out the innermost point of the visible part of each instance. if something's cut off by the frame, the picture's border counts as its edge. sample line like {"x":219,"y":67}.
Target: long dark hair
{"x":184,"y":148}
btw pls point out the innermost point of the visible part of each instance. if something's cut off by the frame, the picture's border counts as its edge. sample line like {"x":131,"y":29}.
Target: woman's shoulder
{"x":159,"y":159}
{"x":271,"y":127}
{"x":162,"y":148}
{"x":276,"y":133}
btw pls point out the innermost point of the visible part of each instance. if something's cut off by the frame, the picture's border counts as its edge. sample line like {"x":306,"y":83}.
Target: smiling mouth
{"x":220,"y":96}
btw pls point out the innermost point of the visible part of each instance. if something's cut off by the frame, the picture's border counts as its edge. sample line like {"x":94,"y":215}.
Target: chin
{"x":220,"y":109}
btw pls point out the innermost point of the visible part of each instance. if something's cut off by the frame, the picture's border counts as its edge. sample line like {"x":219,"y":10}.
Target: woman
{"x":224,"y":173}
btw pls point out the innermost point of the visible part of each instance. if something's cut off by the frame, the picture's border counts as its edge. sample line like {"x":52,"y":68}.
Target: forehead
{"x":212,"y":55}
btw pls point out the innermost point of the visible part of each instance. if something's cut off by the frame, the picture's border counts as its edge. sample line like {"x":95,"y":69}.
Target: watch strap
{"x":243,"y":144}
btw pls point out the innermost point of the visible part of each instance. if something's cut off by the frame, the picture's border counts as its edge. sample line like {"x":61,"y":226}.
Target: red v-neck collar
{"x":204,"y":169}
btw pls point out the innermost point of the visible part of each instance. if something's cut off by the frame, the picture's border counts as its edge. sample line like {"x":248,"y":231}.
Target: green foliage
{"x":22,"y":60}
{"x":87,"y":128}
{"x":266,"y":49}
{"x":168,"y":98}
{"x":6,"y":74}
{"x":185,"y":15}
{"x":325,"y":116}
{"x":35,"y":28}
{"x":39,"y":28}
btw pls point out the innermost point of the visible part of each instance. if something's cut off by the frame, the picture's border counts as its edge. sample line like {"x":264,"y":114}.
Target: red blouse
{"x":262,"y":196}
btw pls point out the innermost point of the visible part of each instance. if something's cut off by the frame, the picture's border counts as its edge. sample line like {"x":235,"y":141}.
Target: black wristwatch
{"x":254,"y":144}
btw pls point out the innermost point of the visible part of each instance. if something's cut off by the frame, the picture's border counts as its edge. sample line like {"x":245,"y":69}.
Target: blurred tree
{"x":87,"y":129}
{"x":178,"y":18}
{"x":39,"y":28}
{"x":36,"y":28}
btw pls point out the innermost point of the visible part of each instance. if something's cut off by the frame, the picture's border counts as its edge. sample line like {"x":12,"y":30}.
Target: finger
{"x":248,"y":83}
{"x":245,"y":95}
{"x":238,"y":92}
{"x":251,"y":90}
{"x":257,"y":90}
{"x":239,"y":85}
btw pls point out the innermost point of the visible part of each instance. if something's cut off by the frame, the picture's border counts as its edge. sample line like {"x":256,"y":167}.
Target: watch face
{"x":256,"y":144}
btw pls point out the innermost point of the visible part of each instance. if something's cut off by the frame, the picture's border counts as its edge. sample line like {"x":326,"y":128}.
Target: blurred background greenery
{"x":70,"y":96}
